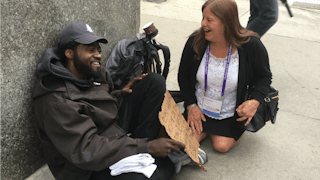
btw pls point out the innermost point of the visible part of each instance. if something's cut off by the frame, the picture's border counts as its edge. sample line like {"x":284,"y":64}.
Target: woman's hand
{"x":195,"y":116}
{"x":247,"y":110}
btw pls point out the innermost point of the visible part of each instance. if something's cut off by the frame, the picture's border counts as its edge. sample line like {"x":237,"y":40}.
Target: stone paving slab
{"x":288,"y":149}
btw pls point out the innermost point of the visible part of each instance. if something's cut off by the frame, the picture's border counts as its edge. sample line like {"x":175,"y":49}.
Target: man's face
{"x":87,"y":60}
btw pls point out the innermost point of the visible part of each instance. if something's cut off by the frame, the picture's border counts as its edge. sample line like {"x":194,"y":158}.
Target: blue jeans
{"x":263,"y":15}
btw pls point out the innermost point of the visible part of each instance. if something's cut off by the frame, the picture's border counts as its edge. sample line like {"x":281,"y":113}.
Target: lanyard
{"x":225,"y":71}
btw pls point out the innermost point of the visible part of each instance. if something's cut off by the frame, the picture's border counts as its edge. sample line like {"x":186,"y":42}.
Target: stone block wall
{"x":28,"y":28}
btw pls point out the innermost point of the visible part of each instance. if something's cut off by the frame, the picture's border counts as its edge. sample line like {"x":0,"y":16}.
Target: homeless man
{"x":77,"y":112}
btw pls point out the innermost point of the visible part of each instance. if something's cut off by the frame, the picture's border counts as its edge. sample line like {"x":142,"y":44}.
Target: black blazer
{"x":254,"y":70}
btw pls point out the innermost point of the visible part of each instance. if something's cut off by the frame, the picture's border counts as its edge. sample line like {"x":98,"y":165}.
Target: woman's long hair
{"x":227,"y":12}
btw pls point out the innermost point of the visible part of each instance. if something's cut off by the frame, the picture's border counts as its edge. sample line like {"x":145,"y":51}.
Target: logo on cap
{"x":89,"y":28}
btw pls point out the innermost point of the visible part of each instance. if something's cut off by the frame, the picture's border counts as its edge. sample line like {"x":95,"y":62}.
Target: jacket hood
{"x":51,"y":64}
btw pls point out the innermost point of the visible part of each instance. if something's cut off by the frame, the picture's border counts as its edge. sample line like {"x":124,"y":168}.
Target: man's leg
{"x":139,"y":110}
{"x":254,"y":12}
{"x":263,"y":15}
{"x":139,"y":115}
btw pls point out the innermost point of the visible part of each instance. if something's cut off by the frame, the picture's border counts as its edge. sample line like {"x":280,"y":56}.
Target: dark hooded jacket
{"x":75,"y":121}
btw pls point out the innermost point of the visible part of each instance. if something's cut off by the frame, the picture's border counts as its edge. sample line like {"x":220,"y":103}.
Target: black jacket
{"x":253,"y":69}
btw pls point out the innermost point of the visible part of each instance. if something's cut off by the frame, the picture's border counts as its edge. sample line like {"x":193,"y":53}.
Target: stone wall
{"x":28,"y":27}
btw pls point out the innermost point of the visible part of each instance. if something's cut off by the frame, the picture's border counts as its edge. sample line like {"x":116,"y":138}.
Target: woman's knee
{"x":222,"y":148}
{"x":200,"y":136}
{"x":222,"y":144}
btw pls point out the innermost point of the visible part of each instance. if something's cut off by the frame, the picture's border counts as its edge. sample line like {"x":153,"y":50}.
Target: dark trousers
{"x":263,"y":15}
{"x":138,"y":115}
{"x":139,"y":110}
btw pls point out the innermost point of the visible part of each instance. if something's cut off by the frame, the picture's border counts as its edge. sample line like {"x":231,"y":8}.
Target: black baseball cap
{"x":79,"y":32}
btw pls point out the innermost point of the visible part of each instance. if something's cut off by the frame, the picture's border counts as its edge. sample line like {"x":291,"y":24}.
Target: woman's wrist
{"x":191,"y":106}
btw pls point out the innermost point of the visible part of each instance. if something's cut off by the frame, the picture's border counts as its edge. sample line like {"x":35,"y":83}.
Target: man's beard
{"x":85,"y":69}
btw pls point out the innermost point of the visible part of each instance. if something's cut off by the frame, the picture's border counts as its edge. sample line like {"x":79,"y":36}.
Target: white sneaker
{"x":203,"y":158}
{"x":182,"y":159}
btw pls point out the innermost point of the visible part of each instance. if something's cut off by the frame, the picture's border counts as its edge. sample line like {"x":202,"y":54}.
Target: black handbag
{"x":267,"y":111}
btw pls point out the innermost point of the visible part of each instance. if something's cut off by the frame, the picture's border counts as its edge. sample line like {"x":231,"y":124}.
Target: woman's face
{"x":212,"y":26}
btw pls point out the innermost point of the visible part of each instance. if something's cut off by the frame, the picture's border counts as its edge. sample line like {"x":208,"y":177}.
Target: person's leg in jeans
{"x":139,"y":115}
{"x":263,"y":15}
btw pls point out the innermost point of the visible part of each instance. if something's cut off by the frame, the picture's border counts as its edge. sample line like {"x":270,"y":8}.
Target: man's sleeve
{"x":75,"y":136}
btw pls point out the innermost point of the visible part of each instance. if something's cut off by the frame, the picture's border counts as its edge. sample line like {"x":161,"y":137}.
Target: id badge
{"x":211,"y":107}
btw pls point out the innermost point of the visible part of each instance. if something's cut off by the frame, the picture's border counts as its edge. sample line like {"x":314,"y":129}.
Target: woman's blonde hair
{"x":227,"y":12}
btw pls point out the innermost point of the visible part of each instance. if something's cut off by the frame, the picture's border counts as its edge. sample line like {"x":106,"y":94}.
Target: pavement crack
{"x":302,"y":85}
{"x":296,"y":38}
{"x":245,"y":13}
{"x":316,"y":11}
{"x":302,"y":115}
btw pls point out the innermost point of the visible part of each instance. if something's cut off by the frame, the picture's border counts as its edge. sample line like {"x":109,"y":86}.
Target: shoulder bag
{"x":267,"y":111}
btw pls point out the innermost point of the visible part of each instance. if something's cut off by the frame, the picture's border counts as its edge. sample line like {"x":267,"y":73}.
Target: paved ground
{"x":287,"y":150}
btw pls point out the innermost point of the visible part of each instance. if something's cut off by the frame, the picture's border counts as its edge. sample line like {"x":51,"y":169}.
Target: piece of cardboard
{"x":177,"y":127}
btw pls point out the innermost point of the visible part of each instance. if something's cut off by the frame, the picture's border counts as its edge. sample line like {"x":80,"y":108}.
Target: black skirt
{"x":226,"y":127}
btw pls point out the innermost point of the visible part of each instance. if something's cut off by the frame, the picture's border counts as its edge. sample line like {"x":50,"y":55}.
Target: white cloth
{"x":216,"y":70}
{"x":139,"y":163}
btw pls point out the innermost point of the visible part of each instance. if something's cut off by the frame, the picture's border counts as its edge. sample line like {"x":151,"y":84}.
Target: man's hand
{"x":128,"y":88}
{"x":163,"y":146}
{"x":247,"y":110}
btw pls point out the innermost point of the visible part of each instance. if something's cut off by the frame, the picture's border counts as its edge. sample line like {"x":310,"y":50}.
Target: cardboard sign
{"x":177,"y":127}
